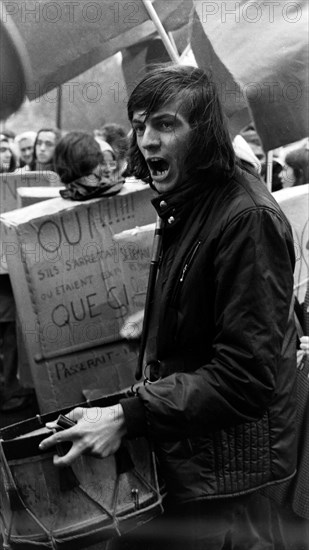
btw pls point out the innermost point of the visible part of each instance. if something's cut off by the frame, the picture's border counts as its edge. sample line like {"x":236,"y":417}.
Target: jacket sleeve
{"x":253,"y":270}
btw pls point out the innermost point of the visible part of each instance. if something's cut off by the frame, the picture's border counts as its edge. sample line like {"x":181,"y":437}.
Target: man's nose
{"x":151,"y":138}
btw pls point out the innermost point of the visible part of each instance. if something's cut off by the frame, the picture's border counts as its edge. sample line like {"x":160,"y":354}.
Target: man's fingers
{"x":76,"y":414}
{"x":51,"y":425}
{"x":58,"y":437}
{"x":69,"y":457}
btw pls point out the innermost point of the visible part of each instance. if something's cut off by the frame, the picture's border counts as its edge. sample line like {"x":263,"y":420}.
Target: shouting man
{"x":217,"y":401}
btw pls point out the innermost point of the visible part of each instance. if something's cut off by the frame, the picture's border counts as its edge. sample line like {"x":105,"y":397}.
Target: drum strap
{"x":16,"y":502}
{"x":39,"y":421}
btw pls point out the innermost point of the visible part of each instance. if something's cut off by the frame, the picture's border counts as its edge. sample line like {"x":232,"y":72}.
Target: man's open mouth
{"x":158,"y":167}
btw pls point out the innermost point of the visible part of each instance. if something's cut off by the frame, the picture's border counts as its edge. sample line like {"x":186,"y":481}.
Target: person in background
{"x":109,"y":162}
{"x":25,"y":143}
{"x":277,"y":166}
{"x":13,"y":395}
{"x":251,"y":136}
{"x":116,"y":136}
{"x":302,"y":313}
{"x":296,"y":168}
{"x":290,"y":500}
{"x":9,"y":134}
{"x":216,"y":395}
{"x":79,"y":162}
{"x":44,"y":147}
{"x":8,"y":161}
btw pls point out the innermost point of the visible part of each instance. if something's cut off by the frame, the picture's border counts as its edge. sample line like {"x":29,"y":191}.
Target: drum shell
{"x":43,"y":506}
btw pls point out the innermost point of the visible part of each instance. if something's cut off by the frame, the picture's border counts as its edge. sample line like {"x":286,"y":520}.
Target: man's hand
{"x":98,"y":431}
{"x":304,"y":344}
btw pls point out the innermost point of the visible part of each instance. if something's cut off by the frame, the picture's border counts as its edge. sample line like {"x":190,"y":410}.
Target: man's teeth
{"x":159,"y":172}
{"x":158,"y":167}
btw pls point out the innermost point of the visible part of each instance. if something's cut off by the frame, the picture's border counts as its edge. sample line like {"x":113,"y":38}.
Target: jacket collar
{"x":174,"y":206}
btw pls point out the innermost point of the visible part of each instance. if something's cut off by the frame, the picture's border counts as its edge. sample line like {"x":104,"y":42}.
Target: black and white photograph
{"x":154,"y":275}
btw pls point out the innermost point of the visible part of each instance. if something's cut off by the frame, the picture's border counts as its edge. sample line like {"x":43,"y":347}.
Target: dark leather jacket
{"x":222,"y":415}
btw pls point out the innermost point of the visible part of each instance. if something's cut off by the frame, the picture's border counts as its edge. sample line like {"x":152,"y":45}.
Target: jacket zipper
{"x":188,"y":261}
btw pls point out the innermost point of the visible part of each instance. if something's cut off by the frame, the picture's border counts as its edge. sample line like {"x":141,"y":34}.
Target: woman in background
{"x":296,"y":168}
{"x":25,"y":143}
{"x":109,"y":162}
{"x":80,"y":163}
{"x":116,"y":136}
{"x":7,"y":158}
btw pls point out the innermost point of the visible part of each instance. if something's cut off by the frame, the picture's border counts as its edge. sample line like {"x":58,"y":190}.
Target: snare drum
{"x":43,"y":506}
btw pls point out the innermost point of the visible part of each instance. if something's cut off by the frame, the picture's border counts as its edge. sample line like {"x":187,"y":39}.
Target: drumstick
{"x":67,"y":478}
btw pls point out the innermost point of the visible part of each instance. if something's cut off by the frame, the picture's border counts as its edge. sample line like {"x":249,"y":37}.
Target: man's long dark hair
{"x":198,"y":101}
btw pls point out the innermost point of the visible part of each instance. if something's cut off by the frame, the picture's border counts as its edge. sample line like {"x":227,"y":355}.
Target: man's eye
{"x":139,"y":130}
{"x":167,"y":125}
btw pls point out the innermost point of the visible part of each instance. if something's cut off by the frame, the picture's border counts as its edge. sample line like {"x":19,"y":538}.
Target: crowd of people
{"x":89,"y":166}
{"x":34,"y":151}
{"x":218,"y":401}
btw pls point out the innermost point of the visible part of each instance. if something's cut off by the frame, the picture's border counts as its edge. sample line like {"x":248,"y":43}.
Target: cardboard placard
{"x":135,"y":255}
{"x":69,"y":289}
{"x":30,"y":195}
{"x":10,"y":182}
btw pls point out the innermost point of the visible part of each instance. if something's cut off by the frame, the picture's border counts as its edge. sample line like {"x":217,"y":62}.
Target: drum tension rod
{"x":135,"y":498}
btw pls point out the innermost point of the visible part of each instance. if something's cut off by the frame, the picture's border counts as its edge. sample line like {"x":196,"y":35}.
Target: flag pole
{"x":59,"y":108}
{"x":269,"y":169}
{"x":161,"y":31}
{"x":156,"y":247}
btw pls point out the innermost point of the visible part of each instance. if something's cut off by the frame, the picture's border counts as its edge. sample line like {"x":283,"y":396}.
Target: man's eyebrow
{"x":164,"y":115}
{"x":137,"y":120}
{"x":155,"y":117}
